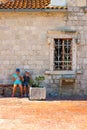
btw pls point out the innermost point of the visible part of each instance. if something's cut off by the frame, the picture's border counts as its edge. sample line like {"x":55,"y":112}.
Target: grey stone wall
{"x":23,"y":44}
{"x":76,"y":2}
{"x":78,"y":19}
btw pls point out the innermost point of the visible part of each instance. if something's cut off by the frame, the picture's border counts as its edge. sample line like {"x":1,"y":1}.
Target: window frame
{"x":63,"y":35}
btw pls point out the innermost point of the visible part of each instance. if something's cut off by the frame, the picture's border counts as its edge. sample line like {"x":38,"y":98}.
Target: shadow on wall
{"x":6,"y":92}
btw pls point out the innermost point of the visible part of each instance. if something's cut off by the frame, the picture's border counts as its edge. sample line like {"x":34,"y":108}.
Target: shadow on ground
{"x":54,"y":98}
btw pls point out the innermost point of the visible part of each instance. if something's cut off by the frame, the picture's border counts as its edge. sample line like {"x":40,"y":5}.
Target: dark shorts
{"x":25,"y":84}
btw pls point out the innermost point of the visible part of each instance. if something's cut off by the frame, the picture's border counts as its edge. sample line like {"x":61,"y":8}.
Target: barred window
{"x":62,"y":54}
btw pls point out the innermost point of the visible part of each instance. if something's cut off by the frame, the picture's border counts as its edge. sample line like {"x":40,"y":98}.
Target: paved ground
{"x":22,"y":114}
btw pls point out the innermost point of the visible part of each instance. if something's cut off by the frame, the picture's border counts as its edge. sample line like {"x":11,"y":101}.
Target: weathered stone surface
{"x":37,"y":93}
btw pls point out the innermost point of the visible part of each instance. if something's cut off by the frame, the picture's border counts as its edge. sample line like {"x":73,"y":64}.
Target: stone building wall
{"x":76,"y":2}
{"x":23,"y":42}
{"x":78,"y":19}
{"x":24,"y":45}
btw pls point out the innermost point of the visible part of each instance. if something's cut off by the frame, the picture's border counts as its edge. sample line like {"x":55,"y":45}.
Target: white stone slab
{"x":37,"y":93}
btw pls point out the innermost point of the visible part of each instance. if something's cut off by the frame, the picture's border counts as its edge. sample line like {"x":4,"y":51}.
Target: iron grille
{"x":62,"y":54}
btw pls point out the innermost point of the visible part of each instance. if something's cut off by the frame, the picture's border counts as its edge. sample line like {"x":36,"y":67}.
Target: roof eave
{"x":33,"y":10}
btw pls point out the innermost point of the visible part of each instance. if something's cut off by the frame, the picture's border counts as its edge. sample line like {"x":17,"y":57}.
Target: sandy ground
{"x":23,"y":114}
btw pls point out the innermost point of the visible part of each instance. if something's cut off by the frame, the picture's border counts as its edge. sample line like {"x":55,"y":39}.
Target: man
{"x":26,"y":86}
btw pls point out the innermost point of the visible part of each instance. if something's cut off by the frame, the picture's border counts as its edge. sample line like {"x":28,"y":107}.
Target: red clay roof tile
{"x":27,"y":4}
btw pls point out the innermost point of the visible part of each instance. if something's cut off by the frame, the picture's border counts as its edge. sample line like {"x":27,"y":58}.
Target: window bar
{"x":63,"y":54}
{"x":70,"y":54}
{"x":58,"y":54}
{"x":67,"y":43}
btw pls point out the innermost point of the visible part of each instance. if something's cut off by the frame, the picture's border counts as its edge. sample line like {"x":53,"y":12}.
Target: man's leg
{"x":20,"y":85}
{"x":28,"y":89}
{"x":24,"y":90}
{"x":14,"y":89}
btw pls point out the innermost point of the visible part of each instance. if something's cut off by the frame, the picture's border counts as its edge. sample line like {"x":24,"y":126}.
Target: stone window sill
{"x":59,"y":72}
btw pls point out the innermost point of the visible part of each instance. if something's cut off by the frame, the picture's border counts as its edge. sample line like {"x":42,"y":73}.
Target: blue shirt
{"x":17,"y":79}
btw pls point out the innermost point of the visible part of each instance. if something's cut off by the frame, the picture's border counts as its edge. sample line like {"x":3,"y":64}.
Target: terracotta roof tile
{"x":27,"y":4}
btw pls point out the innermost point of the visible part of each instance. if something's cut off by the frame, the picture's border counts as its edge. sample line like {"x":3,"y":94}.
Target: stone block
{"x":81,"y":2}
{"x":37,"y":93}
{"x":52,"y":90}
{"x":57,"y":81}
{"x":58,"y":76}
{"x":51,"y":81}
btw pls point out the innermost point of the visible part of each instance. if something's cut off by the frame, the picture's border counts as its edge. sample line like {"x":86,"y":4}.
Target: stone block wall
{"x":78,"y":19}
{"x":23,"y":44}
{"x":76,"y":2}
